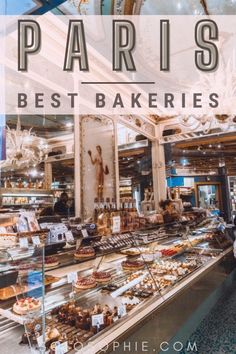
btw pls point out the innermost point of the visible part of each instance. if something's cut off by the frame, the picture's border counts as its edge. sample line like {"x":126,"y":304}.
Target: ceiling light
{"x":224,"y":80}
{"x":179,"y":5}
{"x":33,"y":173}
{"x":184,"y":161}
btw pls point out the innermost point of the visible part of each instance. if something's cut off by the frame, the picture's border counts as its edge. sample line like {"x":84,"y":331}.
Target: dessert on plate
{"x":132,"y":265}
{"x":101,"y":277}
{"x":85,"y":283}
{"x":51,"y":261}
{"x":84,"y":252}
{"x":27,"y":305}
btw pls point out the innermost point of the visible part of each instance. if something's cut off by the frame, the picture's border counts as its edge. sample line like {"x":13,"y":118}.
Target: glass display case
{"x":85,"y":292}
{"x":22,"y":276}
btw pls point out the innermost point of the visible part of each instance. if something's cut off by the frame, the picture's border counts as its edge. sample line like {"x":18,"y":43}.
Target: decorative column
{"x":116,"y":162}
{"x":137,"y":7}
{"x":48,"y":174}
{"x":158,"y":170}
{"x":77,"y":170}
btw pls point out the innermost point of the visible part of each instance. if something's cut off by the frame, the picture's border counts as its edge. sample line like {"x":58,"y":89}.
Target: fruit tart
{"x":27,"y":305}
{"x":84,"y":252}
{"x":85,"y":283}
{"x":101,"y":277}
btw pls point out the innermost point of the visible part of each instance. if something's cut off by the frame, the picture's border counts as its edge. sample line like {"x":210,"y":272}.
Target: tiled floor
{"x":216,"y":334}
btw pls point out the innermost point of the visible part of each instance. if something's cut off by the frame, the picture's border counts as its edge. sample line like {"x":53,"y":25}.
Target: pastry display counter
{"x":90,"y":304}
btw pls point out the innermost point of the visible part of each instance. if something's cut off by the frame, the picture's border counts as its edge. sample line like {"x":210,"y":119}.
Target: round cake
{"x":85,"y":283}
{"x":101,"y":277}
{"x":51,"y":262}
{"x":132,"y":265}
{"x":27,"y":305}
{"x":84,"y":252}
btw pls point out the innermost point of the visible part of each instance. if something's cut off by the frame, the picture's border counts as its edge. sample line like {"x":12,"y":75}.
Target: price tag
{"x":84,"y":233}
{"x":78,"y":243}
{"x":122,"y":310}
{"x":72,"y":277}
{"x":24,"y":242}
{"x":97,"y":320}
{"x":145,"y":239}
{"x":72,"y":295}
{"x":61,"y":348}
{"x":37,"y":328}
{"x":36,"y":240}
{"x":40,"y":341}
{"x":69,"y":236}
{"x":115,"y":224}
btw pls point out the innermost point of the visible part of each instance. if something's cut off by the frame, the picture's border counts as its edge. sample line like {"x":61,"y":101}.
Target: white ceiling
{"x":188,"y":7}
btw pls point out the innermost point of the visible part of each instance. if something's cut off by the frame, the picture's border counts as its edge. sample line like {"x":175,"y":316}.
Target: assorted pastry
{"x":73,"y":315}
{"x":148,"y":237}
{"x":23,"y":267}
{"x":73,"y":323}
{"x":175,"y":268}
{"x":161,"y":275}
{"x":168,"y":252}
{"x":131,"y":252}
{"x":146,"y":287}
{"x":26,"y":306}
{"x":84,"y":253}
{"x":109,"y":288}
{"x":114,"y":242}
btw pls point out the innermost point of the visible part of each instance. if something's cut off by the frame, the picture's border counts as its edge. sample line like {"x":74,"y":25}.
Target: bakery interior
{"x":94,"y":272}
{"x":90,"y":256}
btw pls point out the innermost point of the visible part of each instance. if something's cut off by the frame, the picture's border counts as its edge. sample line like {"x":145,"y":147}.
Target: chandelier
{"x":206,"y":123}
{"x":223,"y":81}
{"x":23,"y":148}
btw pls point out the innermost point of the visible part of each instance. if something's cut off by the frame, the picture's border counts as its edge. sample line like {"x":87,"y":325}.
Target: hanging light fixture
{"x":223,"y":80}
{"x":23,"y":148}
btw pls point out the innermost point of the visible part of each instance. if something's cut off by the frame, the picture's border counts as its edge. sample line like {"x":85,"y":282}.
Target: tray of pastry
{"x":19,"y":289}
{"x":73,"y":323}
{"x":206,"y":251}
{"x":161,"y":275}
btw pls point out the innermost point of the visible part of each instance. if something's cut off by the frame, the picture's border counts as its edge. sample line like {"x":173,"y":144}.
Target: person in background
{"x":169,"y":213}
{"x":61,"y":207}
